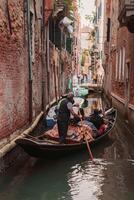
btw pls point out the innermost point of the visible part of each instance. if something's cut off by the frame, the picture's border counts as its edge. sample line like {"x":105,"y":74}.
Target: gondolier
{"x":64,"y":111}
{"x":47,"y":145}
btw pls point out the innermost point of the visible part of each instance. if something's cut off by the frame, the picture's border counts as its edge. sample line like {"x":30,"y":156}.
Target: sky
{"x":86,"y":8}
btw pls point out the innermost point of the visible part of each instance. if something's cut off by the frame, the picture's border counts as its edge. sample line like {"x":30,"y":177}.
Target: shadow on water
{"x":75,"y":177}
{"x":53,"y":179}
{"x":45,"y":180}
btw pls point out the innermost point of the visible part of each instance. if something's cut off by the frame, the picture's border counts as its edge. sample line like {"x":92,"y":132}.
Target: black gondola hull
{"x":44,"y":149}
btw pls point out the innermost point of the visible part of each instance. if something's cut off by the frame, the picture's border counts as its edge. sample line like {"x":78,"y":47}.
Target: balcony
{"x":126,"y":14}
{"x":58,"y":7}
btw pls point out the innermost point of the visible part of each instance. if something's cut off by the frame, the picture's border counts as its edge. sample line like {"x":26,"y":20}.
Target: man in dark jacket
{"x":64,"y":111}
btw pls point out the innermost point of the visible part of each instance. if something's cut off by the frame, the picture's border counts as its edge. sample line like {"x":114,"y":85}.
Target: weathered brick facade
{"x":13,"y":68}
{"x":120,"y":62}
{"x":26,"y":87}
{"x":124,"y":39}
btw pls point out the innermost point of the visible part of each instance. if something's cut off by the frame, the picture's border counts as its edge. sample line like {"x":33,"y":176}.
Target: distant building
{"x":99,"y":40}
{"x":76,"y":40}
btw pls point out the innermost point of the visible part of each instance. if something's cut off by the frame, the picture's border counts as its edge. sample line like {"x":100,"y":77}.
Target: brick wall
{"x":62,"y":71}
{"x":130,"y":50}
{"x":126,"y":39}
{"x":13,"y":68}
{"x":37,"y":70}
{"x":14,"y":71}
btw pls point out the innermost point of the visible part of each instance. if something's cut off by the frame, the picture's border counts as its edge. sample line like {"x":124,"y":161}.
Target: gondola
{"x":47,"y":148}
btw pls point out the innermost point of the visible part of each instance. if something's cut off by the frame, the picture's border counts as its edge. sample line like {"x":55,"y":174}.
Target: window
{"x":123,"y":63}
{"x":120,"y":65}
{"x":116,"y":69}
{"x":108,"y":29}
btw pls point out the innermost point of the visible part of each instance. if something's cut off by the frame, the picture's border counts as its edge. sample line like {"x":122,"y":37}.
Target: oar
{"x":89,"y":149}
{"x":87,"y":143}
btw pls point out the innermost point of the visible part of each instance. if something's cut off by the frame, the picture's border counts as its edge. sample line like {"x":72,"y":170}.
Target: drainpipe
{"x":48,"y":63}
{"x":9,"y":18}
{"x":29,"y":61}
{"x":43,"y":61}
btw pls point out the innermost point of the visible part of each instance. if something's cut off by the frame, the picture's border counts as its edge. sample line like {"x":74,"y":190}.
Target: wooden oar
{"x":89,"y":149}
{"x":87,"y":143}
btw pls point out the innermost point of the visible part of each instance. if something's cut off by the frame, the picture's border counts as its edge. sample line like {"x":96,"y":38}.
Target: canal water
{"x":75,"y":177}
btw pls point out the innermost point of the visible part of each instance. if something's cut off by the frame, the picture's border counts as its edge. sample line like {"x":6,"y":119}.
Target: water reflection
{"x":94,"y":102}
{"x":75,"y":177}
{"x":71,"y":178}
{"x":63,"y":179}
{"x":86,"y":180}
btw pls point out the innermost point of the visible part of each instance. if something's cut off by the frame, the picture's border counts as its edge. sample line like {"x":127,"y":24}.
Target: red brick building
{"x":119,"y":56}
{"x":14,"y":83}
{"x":30,"y":65}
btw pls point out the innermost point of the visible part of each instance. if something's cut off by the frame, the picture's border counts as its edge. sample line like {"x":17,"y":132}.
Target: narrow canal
{"x":75,"y":177}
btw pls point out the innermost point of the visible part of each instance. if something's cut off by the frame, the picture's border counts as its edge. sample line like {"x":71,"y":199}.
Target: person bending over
{"x":64,"y":111}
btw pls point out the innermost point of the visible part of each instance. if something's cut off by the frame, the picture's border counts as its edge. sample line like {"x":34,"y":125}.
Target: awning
{"x":66,"y":21}
{"x":65,"y":25}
